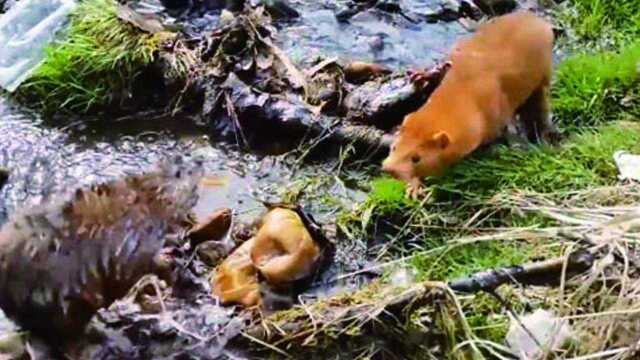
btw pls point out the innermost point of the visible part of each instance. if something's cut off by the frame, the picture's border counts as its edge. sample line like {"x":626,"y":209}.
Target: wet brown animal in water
{"x":502,"y":70}
{"x":62,"y":261}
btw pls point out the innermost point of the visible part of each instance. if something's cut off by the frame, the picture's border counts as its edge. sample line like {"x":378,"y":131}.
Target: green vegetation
{"x":458,"y":261}
{"x":601,"y":23}
{"x":99,"y":59}
{"x":583,"y":160}
{"x":590,"y":89}
{"x":388,"y":196}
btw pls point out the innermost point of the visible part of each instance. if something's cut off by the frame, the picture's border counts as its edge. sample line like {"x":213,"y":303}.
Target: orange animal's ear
{"x":441,"y":139}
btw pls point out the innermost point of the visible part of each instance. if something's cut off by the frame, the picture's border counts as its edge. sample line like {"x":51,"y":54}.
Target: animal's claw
{"x":415,"y":189}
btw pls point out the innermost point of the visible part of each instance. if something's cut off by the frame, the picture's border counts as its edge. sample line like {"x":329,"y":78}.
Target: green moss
{"x":460,"y":261}
{"x":388,"y":195}
{"x":589,"y":88}
{"x":583,"y":161}
{"x":100,"y":57}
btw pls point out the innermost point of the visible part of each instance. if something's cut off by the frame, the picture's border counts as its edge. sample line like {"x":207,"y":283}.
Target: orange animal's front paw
{"x":415,"y":189}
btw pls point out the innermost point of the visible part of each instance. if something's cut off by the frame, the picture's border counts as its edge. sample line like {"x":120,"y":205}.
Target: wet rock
{"x":148,"y":294}
{"x":6,"y":5}
{"x":211,"y":253}
{"x":392,"y":6}
{"x":449,"y":10}
{"x":176,"y":4}
{"x":352,"y":8}
{"x":235,"y":280}
{"x":276,"y":124}
{"x":496,"y":7}
{"x":12,"y":346}
{"x":214,"y":227}
{"x":165,"y":264}
{"x":232,"y":5}
{"x":280,"y":9}
{"x":283,"y":250}
{"x":276,"y":298}
{"x":100,"y":241}
{"x":383,"y":105}
{"x":226,"y":18}
{"x":325,"y":88}
{"x":4,"y":177}
{"x":357,"y":72}
{"x":259,"y":120}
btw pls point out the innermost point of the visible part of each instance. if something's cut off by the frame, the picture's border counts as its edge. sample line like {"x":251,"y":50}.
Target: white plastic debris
{"x":550,"y":332}
{"x":403,"y":276}
{"x":25,"y":30}
{"x":628,"y":165}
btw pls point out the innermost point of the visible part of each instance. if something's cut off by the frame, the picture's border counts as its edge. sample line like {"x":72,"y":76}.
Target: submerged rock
{"x":211,"y":253}
{"x":63,"y":260}
{"x":496,"y":7}
{"x":280,"y":9}
{"x":357,"y":72}
{"x":214,"y":227}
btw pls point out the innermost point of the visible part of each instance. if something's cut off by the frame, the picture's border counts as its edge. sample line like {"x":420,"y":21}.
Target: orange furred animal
{"x":235,"y":280}
{"x":502,"y":70}
{"x":284,"y":251}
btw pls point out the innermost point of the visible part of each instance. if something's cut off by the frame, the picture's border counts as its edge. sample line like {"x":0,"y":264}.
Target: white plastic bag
{"x":25,"y":30}
{"x":628,"y":165}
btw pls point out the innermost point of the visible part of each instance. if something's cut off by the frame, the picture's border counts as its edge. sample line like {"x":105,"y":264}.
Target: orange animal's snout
{"x":390,"y":168}
{"x":386,"y":166}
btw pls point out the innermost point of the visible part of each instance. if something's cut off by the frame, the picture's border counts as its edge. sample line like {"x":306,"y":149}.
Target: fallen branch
{"x":537,"y":273}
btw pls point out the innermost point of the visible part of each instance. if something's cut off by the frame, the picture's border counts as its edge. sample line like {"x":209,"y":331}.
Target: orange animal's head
{"x":416,"y":153}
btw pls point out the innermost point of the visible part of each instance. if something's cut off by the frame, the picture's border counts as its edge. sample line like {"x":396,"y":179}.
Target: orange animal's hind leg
{"x":534,"y":116}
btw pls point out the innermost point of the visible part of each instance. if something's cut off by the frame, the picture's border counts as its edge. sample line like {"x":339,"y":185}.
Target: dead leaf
{"x":145,"y":23}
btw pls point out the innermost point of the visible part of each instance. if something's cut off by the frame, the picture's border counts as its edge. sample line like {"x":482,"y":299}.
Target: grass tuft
{"x":100,"y":57}
{"x":388,"y":195}
{"x":591,"y":89}
{"x":600,"y":23}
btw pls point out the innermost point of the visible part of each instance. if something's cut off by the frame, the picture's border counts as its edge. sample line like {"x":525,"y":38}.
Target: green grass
{"x":388,"y":196}
{"x":468,"y":259}
{"x":600,"y":23}
{"x":584,"y":160}
{"x":98,"y":61}
{"x":591,"y":89}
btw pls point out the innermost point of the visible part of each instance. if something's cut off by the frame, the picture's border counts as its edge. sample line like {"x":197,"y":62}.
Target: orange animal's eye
{"x":415,"y":159}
